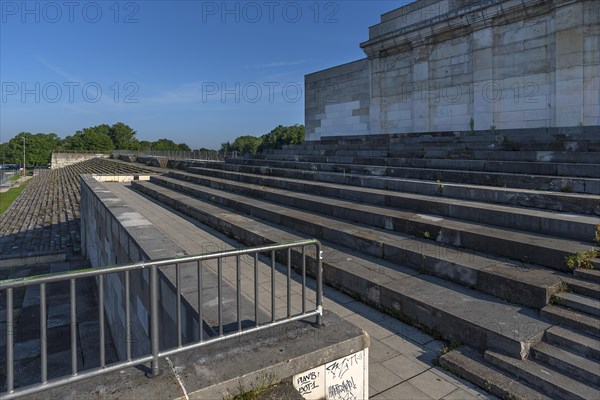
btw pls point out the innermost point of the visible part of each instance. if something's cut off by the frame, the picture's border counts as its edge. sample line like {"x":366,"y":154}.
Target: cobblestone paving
{"x":44,"y":219}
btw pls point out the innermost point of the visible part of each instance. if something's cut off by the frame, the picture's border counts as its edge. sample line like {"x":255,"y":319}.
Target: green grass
{"x":9,"y":196}
{"x":15,"y":177}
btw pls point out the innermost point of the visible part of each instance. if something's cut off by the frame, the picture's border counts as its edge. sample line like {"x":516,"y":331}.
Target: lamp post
{"x":23,"y":158}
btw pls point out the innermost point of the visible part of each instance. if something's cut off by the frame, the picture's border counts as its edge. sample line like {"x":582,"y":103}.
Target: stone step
{"x":592,"y":275}
{"x":522,"y":285}
{"x":572,"y":226}
{"x":456,"y":148}
{"x":469,"y":364}
{"x":567,"y":362}
{"x":452,"y":310}
{"x":572,"y":157}
{"x":522,"y":181}
{"x":507,"y":145}
{"x":569,"y":318}
{"x":556,"y":201}
{"x":584,"y":304}
{"x":505,"y":141}
{"x":537,"y":249}
{"x":526,"y":135}
{"x":515,"y":167}
{"x":576,"y":342}
{"x":584,"y":287}
{"x":555,"y":383}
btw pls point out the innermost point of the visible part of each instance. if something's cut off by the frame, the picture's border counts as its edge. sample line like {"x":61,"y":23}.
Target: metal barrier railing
{"x":8,"y":286}
{"x":201,"y":155}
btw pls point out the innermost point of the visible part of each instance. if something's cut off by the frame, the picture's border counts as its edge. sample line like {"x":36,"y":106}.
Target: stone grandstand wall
{"x":61,"y":160}
{"x":461,"y":65}
{"x":111,"y":234}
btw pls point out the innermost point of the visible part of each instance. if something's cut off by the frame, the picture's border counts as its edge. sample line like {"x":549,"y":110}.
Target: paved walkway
{"x":401,"y":356}
{"x":7,"y":185}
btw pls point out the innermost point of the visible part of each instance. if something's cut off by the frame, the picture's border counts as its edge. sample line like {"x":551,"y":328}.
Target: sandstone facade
{"x":442,"y":65}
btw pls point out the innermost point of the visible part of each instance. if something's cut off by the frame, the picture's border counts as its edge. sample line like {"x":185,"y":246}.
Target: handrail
{"x":10,"y":285}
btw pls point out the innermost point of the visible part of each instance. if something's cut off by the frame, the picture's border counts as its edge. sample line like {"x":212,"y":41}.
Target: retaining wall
{"x":112,"y":233}
{"x":61,"y":160}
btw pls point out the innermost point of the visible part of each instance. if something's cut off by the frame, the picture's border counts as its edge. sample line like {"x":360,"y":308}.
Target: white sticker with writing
{"x":311,"y":384}
{"x":344,"y":378}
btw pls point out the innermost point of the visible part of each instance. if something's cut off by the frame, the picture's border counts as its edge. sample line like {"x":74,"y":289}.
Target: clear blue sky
{"x":161,"y":66}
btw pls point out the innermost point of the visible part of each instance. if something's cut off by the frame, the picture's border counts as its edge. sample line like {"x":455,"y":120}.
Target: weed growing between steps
{"x":563,"y":288}
{"x":453,"y":345}
{"x":583,"y":259}
{"x":251,"y":394}
{"x":440,"y":186}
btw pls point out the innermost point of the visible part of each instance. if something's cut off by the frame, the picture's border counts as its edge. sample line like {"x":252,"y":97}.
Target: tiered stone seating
{"x":463,"y":234}
{"x":44,"y":219}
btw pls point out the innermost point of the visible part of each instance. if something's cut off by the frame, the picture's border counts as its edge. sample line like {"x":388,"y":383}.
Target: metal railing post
{"x":43,"y":335}
{"x":319,"y":284}
{"x":9,"y":341}
{"x":154,"y":321}
{"x":73,"y":293}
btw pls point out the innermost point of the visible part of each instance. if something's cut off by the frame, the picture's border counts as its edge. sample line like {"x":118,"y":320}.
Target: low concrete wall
{"x":338,"y":350}
{"x":61,"y":160}
{"x":312,"y":357}
{"x":112,"y":233}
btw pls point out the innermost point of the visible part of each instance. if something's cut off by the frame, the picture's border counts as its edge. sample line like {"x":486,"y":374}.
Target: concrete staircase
{"x":457,"y":235}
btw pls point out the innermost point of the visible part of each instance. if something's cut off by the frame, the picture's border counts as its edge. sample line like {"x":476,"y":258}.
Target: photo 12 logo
{"x":70,"y":92}
{"x":52,"y":12}
{"x":252,"y":92}
{"x":253,"y":12}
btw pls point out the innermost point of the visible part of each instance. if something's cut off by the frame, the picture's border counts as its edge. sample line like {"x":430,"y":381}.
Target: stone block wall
{"x":61,"y":160}
{"x":461,"y":64}
{"x":339,"y":101}
{"x":111,"y":234}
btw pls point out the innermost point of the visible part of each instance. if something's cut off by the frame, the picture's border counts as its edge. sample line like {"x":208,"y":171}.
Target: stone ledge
{"x":218,"y":370}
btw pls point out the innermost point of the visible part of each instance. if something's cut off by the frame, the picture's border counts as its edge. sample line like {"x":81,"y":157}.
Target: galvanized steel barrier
{"x":200,"y":155}
{"x":7,"y":287}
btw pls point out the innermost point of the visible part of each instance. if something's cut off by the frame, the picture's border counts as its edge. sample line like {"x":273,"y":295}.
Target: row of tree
{"x":39,"y":146}
{"x":278,"y":137}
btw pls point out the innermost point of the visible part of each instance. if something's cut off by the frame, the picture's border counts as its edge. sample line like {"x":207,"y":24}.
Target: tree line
{"x":103,"y":138}
{"x":277,"y":138}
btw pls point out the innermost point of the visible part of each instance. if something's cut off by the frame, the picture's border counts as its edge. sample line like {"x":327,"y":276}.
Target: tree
{"x":122,"y":136}
{"x":184,"y":147}
{"x":38,"y":148}
{"x":165,"y":145}
{"x":282,"y":135}
{"x":88,"y":140}
{"x":246,"y":144}
{"x":226,"y":147}
{"x":145,"y":145}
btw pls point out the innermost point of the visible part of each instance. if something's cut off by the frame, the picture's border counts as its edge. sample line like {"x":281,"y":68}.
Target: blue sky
{"x":200,"y":72}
